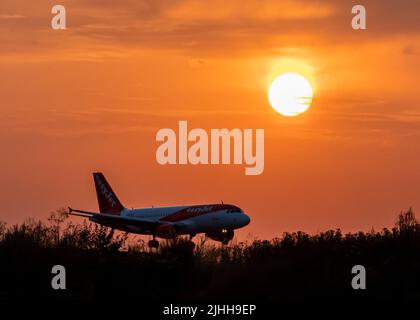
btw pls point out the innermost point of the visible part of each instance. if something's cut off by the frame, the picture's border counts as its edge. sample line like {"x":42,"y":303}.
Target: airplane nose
{"x":246,"y":220}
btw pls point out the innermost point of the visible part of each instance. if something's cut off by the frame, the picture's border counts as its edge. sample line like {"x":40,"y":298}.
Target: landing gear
{"x":225,"y":241}
{"x":153,"y":243}
{"x":191,"y":243}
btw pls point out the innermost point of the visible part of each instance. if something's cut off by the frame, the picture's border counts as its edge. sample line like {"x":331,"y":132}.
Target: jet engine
{"x":224,"y":235}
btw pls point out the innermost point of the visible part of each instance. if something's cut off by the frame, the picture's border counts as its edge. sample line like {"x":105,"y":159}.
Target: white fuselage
{"x":189,"y":219}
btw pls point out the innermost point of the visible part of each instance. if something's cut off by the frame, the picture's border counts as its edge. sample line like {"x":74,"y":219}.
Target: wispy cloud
{"x":11,"y":16}
{"x":198,"y":27}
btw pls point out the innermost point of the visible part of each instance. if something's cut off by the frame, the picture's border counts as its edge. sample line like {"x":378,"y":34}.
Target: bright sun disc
{"x":290,"y":94}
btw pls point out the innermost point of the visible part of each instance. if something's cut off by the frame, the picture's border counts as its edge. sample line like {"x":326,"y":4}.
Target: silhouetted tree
{"x":55,"y":219}
{"x":2,"y":229}
{"x":406,"y":222}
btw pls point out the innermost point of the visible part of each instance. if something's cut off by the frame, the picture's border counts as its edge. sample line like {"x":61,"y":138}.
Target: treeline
{"x":101,"y":263}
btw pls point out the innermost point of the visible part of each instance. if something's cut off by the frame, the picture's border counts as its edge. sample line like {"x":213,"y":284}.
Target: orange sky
{"x":93,"y":97}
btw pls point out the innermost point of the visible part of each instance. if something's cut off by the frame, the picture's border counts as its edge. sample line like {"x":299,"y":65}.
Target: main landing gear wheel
{"x":153,"y":243}
{"x":190,"y":242}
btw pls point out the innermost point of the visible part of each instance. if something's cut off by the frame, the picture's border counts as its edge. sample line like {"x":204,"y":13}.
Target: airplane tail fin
{"x":107,"y":200}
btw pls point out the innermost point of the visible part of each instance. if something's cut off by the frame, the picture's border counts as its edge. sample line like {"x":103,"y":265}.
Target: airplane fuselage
{"x":187,"y":219}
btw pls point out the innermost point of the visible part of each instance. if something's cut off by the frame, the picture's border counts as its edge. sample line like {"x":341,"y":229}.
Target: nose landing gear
{"x":153,"y":243}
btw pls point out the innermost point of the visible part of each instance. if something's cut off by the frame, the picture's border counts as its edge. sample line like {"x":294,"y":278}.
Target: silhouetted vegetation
{"x":101,"y":263}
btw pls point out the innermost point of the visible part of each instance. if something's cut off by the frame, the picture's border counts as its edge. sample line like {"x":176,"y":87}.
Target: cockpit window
{"x":233,"y":210}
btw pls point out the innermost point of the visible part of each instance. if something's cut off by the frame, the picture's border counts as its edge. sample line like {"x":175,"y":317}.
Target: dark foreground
{"x":296,"y":267}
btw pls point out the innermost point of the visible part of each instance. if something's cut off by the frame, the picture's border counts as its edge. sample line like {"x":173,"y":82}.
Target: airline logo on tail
{"x":108,"y":201}
{"x":105,"y":192}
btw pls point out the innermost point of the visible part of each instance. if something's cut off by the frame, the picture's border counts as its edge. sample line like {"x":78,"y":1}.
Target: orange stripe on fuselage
{"x":196,"y":211}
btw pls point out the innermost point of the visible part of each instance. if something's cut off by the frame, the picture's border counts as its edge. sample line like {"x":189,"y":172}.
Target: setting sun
{"x":290,"y":94}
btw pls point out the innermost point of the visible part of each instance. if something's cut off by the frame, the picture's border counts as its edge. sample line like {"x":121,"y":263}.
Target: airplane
{"x":216,"y":221}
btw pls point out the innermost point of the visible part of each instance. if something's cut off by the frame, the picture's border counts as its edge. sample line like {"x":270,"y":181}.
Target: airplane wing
{"x":142,"y":223}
